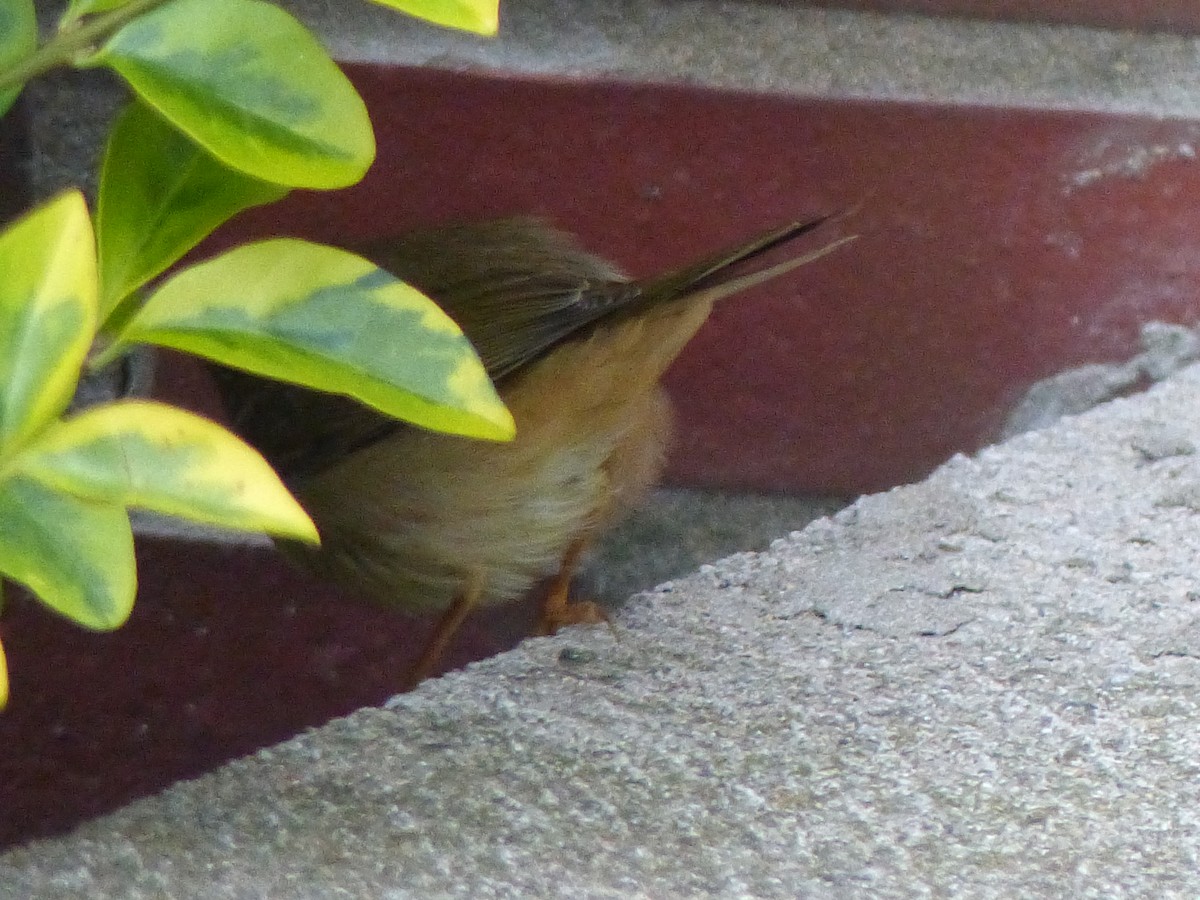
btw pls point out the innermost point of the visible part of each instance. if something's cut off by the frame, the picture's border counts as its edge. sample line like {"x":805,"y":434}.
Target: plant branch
{"x":67,"y":44}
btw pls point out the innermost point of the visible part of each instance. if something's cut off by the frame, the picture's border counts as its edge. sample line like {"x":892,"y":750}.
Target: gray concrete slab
{"x":791,"y":48}
{"x":982,"y":685}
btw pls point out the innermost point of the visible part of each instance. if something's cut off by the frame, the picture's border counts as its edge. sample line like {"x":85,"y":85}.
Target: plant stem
{"x":65,"y":46}
{"x":103,"y":353}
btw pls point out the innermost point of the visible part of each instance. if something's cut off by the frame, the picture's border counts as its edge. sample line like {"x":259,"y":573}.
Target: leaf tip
{"x":301,"y":528}
{"x":503,"y":426}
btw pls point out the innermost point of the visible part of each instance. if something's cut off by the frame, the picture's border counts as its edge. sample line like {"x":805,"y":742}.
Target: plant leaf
{"x":18,"y":39}
{"x":330,"y":320}
{"x":47,"y":313}
{"x":76,"y":556}
{"x":77,"y":9}
{"x":160,"y":195}
{"x":480,"y":16}
{"x":154,"y":456}
{"x":251,"y":85}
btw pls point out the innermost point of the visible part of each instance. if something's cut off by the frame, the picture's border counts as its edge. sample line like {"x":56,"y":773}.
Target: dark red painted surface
{"x":1146,"y":15}
{"x":228,"y":650}
{"x":997,"y":246}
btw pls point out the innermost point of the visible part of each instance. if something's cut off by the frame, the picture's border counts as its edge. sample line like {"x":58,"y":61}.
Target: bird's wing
{"x":300,"y":431}
{"x":516,"y":287}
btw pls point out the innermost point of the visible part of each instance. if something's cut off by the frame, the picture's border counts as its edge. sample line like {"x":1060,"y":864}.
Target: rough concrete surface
{"x":791,"y":48}
{"x":982,"y":685}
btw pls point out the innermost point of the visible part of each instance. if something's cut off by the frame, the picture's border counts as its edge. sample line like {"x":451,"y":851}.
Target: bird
{"x":439,"y":523}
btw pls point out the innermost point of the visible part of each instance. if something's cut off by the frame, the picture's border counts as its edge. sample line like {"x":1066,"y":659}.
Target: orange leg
{"x":557,"y":610}
{"x":443,"y":633}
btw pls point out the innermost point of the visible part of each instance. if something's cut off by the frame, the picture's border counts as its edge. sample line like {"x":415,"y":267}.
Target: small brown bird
{"x":436,"y":522}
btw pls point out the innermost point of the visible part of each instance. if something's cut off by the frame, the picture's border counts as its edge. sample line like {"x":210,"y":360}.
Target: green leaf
{"x":480,"y":16}
{"x":18,"y":39}
{"x":76,"y":556}
{"x":251,"y":85}
{"x":327,"y":319}
{"x":77,"y":9}
{"x":47,"y":313}
{"x":154,"y":456}
{"x":160,"y":195}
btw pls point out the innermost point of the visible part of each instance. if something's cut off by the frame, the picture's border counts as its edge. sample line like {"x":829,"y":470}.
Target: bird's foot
{"x":556,"y":615}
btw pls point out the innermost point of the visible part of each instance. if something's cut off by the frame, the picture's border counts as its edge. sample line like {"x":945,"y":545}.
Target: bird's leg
{"x":557,"y":610}
{"x":444,"y":631}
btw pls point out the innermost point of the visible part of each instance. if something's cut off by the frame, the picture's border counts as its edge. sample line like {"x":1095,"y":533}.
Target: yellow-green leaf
{"x":331,"y":320}
{"x":76,"y":556}
{"x":18,"y":39}
{"x":480,"y":16}
{"x":160,"y":195}
{"x":77,"y":9}
{"x":251,"y":85}
{"x":153,"y":456}
{"x":47,"y":313}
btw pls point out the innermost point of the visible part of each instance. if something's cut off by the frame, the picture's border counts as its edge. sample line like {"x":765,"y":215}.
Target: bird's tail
{"x":717,"y":277}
